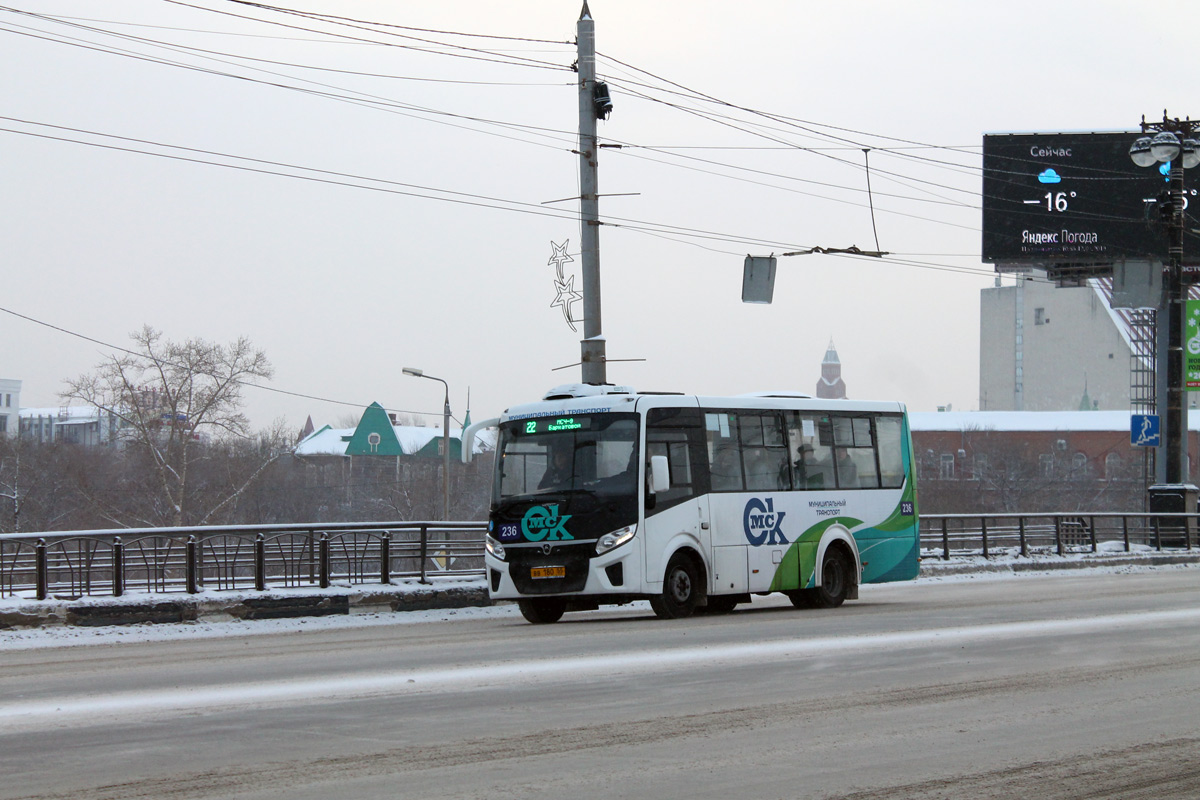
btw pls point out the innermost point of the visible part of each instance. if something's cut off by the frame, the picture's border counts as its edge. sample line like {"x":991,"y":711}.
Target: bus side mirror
{"x":660,"y":474}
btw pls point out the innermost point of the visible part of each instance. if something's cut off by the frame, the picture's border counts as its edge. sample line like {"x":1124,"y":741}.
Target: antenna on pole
{"x":594,"y":103}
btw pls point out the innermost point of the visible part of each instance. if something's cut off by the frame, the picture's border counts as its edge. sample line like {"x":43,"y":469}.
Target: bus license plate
{"x":548,"y":572}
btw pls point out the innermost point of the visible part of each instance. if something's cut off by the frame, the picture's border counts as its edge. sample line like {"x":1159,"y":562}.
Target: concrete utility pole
{"x":592,"y":345}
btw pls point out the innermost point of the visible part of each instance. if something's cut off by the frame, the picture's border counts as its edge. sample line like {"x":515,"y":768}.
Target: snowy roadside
{"x":220,"y":624}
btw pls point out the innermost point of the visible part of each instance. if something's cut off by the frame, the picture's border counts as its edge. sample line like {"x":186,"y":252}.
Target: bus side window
{"x":889,"y":435}
{"x":854,"y":453}
{"x":810,"y":439}
{"x":724,"y":456}
{"x":764,"y":451}
{"x":676,"y":434}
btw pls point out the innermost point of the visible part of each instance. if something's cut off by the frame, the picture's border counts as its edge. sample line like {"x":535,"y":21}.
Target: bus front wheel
{"x":542,"y":610}
{"x":680,"y":586}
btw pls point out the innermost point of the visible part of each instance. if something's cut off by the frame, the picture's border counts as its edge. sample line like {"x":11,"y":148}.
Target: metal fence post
{"x":983,"y":535}
{"x":424,"y":551}
{"x":190,"y":565}
{"x":311,"y":557}
{"x":1092,"y":533}
{"x":118,"y":566}
{"x":1157,"y":535}
{"x":1021,"y":533}
{"x":42,"y":573}
{"x":323,"y":557}
{"x":1125,"y":531}
{"x":945,"y":541}
{"x":1058,"y":541}
{"x":385,"y":558}
{"x":260,"y":562}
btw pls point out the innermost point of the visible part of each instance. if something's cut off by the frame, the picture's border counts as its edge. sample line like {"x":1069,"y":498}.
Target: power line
{"x":457,"y":197}
{"x":314,"y":14}
{"x":164,"y":362}
{"x":497,"y":57}
{"x":420,"y":110}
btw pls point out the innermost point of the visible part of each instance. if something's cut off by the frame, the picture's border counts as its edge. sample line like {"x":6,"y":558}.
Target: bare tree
{"x":170,"y":399}
{"x":14,"y":483}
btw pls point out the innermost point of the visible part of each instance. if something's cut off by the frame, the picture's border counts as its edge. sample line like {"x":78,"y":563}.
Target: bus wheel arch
{"x":836,"y":574}
{"x":684,"y":585}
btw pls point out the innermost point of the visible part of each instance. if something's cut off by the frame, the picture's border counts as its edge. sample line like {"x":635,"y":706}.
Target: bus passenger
{"x":847,"y":470}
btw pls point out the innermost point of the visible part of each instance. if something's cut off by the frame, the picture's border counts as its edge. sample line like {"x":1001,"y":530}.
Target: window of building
{"x":1039,"y":316}
{"x":1112,"y":466}
{"x":946,"y":467}
{"x":979,"y":468}
{"x":1079,"y":462}
{"x":373,"y":440}
{"x":1046,"y":464}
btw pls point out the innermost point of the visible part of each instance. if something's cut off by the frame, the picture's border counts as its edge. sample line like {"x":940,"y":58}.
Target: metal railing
{"x":955,"y":535}
{"x":74,"y":564}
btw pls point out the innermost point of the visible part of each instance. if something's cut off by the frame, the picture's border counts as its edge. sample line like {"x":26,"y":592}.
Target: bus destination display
{"x":557,"y":424}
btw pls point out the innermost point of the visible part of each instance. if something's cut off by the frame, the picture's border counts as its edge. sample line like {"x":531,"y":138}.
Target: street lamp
{"x":416,"y":373}
{"x":1173,"y":144}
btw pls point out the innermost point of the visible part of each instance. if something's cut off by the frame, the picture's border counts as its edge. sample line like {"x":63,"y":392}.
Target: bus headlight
{"x":494,"y":547}
{"x":615,"y":539}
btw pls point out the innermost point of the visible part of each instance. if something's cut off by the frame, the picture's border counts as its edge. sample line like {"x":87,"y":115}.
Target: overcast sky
{"x":347,"y":276}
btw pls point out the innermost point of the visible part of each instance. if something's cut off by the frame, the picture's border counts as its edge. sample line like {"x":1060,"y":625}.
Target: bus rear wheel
{"x":835,"y":583}
{"x":680,"y":586}
{"x":835,"y":580}
{"x":542,"y":610}
{"x":802,"y":598}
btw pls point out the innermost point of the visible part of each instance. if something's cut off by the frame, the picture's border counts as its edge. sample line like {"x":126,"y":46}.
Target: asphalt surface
{"x":1067,"y":686}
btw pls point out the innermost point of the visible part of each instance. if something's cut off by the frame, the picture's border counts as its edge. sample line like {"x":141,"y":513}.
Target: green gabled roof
{"x":314,"y":433}
{"x":374,"y":421}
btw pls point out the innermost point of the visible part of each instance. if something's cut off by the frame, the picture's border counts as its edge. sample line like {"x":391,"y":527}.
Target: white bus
{"x":605,"y":495}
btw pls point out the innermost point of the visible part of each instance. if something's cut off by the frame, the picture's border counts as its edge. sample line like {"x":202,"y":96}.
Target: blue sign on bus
{"x":1144,"y":430}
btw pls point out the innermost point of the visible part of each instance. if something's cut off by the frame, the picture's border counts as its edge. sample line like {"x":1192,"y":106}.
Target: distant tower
{"x":831,"y":386}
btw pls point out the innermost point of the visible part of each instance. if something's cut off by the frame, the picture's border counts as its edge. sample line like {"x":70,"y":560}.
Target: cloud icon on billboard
{"x":1049,"y":176}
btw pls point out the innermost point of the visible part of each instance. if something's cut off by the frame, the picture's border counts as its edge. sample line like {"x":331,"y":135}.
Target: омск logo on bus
{"x":543,"y":522}
{"x":762,"y":522}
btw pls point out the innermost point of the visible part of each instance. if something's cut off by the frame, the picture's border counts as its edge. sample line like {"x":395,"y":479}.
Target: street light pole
{"x":1173,"y":143}
{"x":416,"y":373}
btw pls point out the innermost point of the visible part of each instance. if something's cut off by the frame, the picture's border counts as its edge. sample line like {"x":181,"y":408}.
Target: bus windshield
{"x":555,"y":455}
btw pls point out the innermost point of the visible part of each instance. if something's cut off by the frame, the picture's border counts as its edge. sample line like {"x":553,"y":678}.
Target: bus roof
{"x":623,"y":398}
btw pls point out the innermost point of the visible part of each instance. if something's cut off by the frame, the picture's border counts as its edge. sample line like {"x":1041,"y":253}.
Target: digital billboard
{"x":1060,"y":199}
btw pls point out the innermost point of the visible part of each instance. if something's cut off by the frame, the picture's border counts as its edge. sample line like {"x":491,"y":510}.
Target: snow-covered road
{"x":1054,"y":686}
